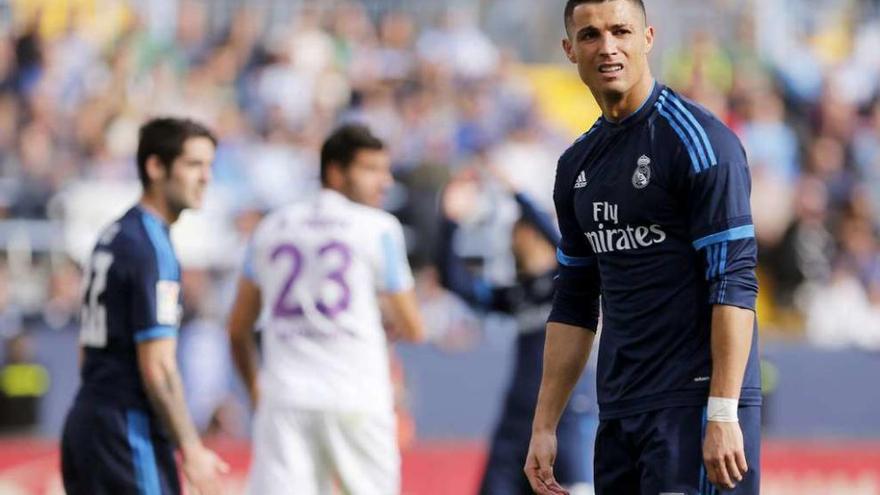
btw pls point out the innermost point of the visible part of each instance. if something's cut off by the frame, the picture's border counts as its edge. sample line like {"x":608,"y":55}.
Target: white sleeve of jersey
{"x":393,"y":270}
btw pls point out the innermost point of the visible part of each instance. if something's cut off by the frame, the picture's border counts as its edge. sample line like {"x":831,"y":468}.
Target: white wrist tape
{"x":722,"y":410}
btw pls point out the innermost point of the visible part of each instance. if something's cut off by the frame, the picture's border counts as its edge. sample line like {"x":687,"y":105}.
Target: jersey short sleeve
{"x":576,"y":300}
{"x":248,"y":267}
{"x":721,"y":222}
{"x":394,"y":273}
{"x":155,"y":287}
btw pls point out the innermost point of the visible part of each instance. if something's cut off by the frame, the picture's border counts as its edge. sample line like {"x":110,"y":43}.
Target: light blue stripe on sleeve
{"x":168,"y":268}
{"x":736,"y":233}
{"x":144,"y":458}
{"x":158,"y":332}
{"x":690,"y":116}
{"x":391,"y":258}
{"x":709,"y":262}
{"x":681,"y":135}
{"x":677,"y":115}
{"x":721,"y":271}
{"x":247,"y":268}
{"x":566,"y":260}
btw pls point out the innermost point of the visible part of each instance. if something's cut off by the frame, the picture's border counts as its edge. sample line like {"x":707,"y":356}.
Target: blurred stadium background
{"x":452,"y":86}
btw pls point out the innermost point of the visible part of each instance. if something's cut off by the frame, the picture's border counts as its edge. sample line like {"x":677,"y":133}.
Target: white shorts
{"x":321,"y":453}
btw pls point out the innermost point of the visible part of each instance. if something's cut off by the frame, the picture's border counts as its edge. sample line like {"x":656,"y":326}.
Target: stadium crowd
{"x":449,"y":100}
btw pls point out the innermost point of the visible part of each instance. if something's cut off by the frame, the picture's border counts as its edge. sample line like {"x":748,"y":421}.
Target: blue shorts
{"x":510,"y":444}
{"x":661,"y":452}
{"x":115,"y":451}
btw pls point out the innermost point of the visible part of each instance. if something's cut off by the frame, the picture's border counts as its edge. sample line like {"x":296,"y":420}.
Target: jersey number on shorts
{"x":94,"y":313}
{"x":286,"y":306}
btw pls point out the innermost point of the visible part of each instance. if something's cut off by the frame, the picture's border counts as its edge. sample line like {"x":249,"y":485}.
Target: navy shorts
{"x":115,"y":451}
{"x":661,"y":452}
{"x":510,"y":444}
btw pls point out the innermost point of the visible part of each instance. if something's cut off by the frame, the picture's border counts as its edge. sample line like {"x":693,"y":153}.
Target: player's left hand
{"x":724,"y":454}
{"x":539,"y":464}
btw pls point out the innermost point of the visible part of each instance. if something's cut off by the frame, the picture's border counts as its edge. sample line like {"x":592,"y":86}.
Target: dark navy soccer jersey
{"x":132,"y":295}
{"x":654,"y":213}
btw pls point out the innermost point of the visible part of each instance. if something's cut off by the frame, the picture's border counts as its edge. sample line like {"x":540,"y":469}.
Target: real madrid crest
{"x":642,"y":175}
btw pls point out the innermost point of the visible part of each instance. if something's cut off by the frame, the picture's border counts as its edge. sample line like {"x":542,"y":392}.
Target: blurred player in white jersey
{"x":319,"y":270}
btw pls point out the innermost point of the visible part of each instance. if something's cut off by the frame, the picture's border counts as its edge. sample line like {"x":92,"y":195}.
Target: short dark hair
{"x":571,"y":4}
{"x":164,"y":138}
{"x":344,"y":143}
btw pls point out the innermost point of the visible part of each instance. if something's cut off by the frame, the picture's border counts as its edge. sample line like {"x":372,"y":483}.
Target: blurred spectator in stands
{"x":866,"y":153}
{"x":192,"y":42}
{"x":528,"y":157}
{"x":837,"y":117}
{"x":22,"y":384}
{"x":859,"y":253}
{"x":772,"y":149}
{"x":800,"y":71}
{"x":7,"y":65}
{"x":803,"y":257}
{"x":841,"y":315}
{"x":61,"y":309}
{"x":699,"y":63}
{"x":8,"y":138}
{"x":826,"y":160}
{"x":28,"y":57}
{"x":459,"y":44}
{"x":10,"y":313}
{"x":396,"y":57}
{"x":355,"y":41}
{"x":38,"y":181}
{"x":769,"y":141}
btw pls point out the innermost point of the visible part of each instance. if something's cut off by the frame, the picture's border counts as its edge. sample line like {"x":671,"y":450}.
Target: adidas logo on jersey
{"x":581,"y":181}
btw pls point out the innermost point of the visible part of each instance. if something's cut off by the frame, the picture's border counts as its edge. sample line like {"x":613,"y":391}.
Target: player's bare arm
{"x":402,"y":310}
{"x":566,"y":350}
{"x":244,"y":315}
{"x":723,"y":449}
{"x":158,"y":366}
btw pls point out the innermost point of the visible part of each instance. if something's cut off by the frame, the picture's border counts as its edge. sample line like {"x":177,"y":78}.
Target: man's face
{"x":190,"y":174}
{"x":368,"y":177}
{"x":609,"y":42}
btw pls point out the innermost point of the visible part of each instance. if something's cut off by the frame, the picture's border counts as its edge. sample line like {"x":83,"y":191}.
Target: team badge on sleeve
{"x":642,"y":176}
{"x":167,"y":302}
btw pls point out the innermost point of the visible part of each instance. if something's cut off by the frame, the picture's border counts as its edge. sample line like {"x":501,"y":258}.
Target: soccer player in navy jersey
{"x":130,"y":413}
{"x":653,"y":206}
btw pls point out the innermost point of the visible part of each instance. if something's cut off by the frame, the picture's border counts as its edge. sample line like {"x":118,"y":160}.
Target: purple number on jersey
{"x":337,"y":276}
{"x":283,"y":308}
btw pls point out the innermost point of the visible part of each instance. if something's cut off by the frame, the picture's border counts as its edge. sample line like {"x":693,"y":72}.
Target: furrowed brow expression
{"x":592,"y":34}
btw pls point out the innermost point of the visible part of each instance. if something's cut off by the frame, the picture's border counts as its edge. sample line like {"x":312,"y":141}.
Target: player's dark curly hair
{"x":343,"y":144}
{"x":571,"y":4}
{"x":163,"y":138}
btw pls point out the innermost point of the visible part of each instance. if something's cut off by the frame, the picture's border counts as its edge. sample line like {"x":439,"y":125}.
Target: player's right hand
{"x":724,"y":454}
{"x":202,"y":468}
{"x":539,"y":464}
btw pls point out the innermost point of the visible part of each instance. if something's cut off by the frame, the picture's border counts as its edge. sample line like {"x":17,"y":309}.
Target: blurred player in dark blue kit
{"x":529,"y":300}
{"x":653,"y":206}
{"x":130,"y":413}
